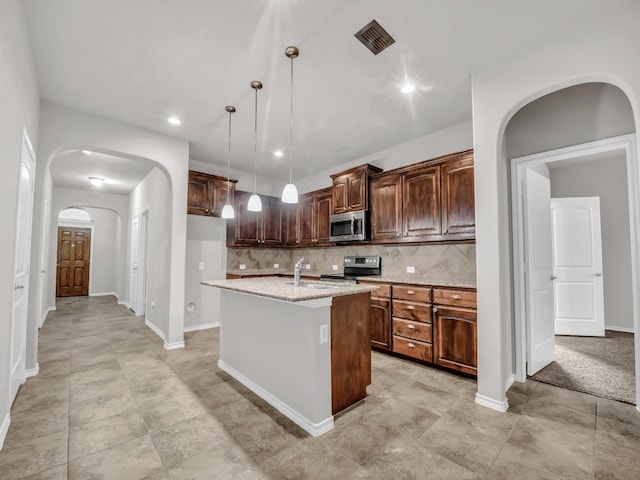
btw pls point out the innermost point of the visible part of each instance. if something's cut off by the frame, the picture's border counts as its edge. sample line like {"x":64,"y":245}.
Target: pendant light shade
{"x":255,"y":204}
{"x":290,"y":192}
{"x":227,"y":210}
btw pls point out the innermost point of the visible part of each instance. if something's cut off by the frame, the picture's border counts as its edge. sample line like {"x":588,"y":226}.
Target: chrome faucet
{"x":296,"y":272}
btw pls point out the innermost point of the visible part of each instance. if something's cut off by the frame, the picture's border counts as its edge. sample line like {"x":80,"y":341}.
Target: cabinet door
{"x":386,"y":207}
{"x":198,"y":195}
{"x":246,"y":224}
{"x":271,"y":220}
{"x":218,"y":196}
{"x":323,"y":210}
{"x":454,"y":339}
{"x":341,"y":194}
{"x":307,"y":220}
{"x":357,"y":192}
{"x":380,"y":318}
{"x":421,"y":202}
{"x":292,"y":229}
{"x":458,"y":199}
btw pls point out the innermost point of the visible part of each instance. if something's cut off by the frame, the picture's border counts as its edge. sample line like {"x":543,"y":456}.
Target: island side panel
{"x":350,"y":350}
{"x":276,"y":346}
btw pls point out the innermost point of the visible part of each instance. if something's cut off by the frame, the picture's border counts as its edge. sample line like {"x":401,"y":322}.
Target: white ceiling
{"x":72,"y":169}
{"x":139,"y":62}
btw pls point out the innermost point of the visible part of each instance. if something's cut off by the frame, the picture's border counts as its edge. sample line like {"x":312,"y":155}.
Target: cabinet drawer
{"x":413,"y":348}
{"x":463,"y":298}
{"x":384,"y":289}
{"x":417,"y":294}
{"x":413,"y":330}
{"x":411,"y":310}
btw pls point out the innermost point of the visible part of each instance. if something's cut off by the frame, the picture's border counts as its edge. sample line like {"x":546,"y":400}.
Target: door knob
{"x":597,"y":274}
{"x":553,"y":277}
{"x":18,"y":287}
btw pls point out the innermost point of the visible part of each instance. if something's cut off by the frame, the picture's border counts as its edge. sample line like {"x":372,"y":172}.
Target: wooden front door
{"x":72,"y":272}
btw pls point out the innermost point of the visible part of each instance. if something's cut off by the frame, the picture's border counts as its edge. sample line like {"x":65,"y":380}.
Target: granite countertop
{"x":283,"y":288}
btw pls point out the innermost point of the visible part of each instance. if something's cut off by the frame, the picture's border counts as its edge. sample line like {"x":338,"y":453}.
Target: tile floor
{"x":111,"y":403}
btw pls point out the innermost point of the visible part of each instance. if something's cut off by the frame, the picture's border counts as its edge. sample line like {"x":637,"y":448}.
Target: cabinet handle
{"x":206,"y":210}
{"x":411,"y":345}
{"x":410,"y":292}
{"x":456,"y":297}
{"x":410,"y":307}
{"x":411,"y":327}
{"x":435,"y":309}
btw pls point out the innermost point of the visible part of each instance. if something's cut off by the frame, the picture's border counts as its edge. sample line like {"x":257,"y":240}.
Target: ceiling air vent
{"x":374,"y":37}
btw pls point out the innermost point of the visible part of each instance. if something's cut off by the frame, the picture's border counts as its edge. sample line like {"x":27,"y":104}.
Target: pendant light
{"x":227,"y":210}
{"x":290,"y":192}
{"x":255,"y":204}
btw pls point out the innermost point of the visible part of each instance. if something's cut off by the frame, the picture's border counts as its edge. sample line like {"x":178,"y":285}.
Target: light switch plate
{"x":324,"y":333}
{"x":201,"y":266}
{"x":411,"y":269}
{"x":243,"y":266}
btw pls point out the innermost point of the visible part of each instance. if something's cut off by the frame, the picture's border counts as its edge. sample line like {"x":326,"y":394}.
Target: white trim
{"x":315,"y":429}
{"x":204,"y":326}
{"x":502,"y":406}
{"x":509,"y":382}
{"x":103,"y":294}
{"x":4,"y":429}
{"x":157,"y":331}
{"x":619,"y":329}
{"x":32,"y":372}
{"x":124,"y":302}
{"x":626,"y":143}
{"x":174,"y":345}
{"x":45,"y":314}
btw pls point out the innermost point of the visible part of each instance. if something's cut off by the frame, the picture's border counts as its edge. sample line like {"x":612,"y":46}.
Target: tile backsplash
{"x":445,"y":261}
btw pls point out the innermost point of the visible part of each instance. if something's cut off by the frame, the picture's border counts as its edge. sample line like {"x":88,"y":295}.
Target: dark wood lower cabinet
{"x":455,"y":338}
{"x":380,"y":323}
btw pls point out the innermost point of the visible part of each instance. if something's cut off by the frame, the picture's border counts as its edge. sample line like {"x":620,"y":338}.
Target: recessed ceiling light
{"x":278,"y":153}
{"x":97,"y":181}
{"x":86,"y":152}
{"x":174,"y":120}
{"x":408,"y":88}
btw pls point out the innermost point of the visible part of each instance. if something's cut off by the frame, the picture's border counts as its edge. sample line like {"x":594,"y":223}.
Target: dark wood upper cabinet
{"x":252,"y":229}
{"x":425,"y":202}
{"x":386,"y":207}
{"x":207,"y":194}
{"x":271,"y":222}
{"x":306,"y":219}
{"x":314,"y":210}
{"x":421,"y":202}
{"x":458,"y":196}
{"x":292,"y":226}
{"x":351,"y":188}
{"x":244,"y":230}
{"x":324,"y":209}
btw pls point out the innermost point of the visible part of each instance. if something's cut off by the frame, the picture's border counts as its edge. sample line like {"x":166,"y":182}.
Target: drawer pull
{"x":411,"y":327}
{"x":410,"y":307}
{"x":410,"y":292}
{"x":456,"y":297}
{"x":411,"y":345}
{"x":435,"y":309}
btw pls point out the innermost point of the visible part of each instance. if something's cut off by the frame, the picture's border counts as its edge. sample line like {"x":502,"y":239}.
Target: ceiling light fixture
{"x":96,"y":181}
{"x":408,"y":88}
{"x":174,"y":120}
{"x":290,"y":192}
{"x":86,"y":152}
{"x":227,"y":210}
{"x":255,"y":204}
{"x":278,"y":153}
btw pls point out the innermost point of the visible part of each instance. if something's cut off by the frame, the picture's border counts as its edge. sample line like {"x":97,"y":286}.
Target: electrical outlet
{"x":334,"y":267}
{"x":324,"y":333}
{"x":308,"y":266}
{"x":201,"y":266}
{"x":153,"y":304}
{"x":276,"y":265}
{"x":411,"y":269}
{"x":243,"y":266}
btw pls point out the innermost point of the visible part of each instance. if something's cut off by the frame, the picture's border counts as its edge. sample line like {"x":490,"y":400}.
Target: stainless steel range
{"x":355,"y":266}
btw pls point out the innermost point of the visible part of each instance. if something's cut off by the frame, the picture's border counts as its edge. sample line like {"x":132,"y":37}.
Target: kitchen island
{"x":303,"y":349}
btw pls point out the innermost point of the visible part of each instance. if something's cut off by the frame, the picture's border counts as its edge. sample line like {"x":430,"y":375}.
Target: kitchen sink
{"x":315,"y":285}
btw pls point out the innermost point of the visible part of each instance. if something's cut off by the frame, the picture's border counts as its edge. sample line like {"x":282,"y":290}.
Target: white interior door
{"x":133,"y":280}
{"x":21,"y":271}
{"x":143,"y":237}
{"x":539,"y":270}
{"x":577,"y":266}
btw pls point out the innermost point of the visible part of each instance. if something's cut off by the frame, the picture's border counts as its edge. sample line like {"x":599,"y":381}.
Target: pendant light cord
{"x":291,"y":129}
{"x":229,"y":161}
{"x":255,"y":146}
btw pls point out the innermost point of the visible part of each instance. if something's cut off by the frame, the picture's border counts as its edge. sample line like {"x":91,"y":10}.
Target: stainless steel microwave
{"x":349,"y":227}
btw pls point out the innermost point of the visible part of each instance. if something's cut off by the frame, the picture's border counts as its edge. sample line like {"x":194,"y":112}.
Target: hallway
{"x":110,"y":402}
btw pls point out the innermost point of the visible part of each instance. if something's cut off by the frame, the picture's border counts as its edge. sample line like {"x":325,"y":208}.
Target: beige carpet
{"x":602,"y":366}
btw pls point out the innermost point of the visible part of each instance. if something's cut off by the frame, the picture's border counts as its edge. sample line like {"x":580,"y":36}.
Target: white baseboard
{"x":103,"y":294}
{"x":4,"y":428}
{"x":174,"y":345}
{"x":157,"y":331}
{"x":32,"y":372}
{"x":125,"y":304}
{"x":509,"y":382}
{"x":315,"y":429}
{"x":500,"y":406}
{"x":203,"y":326}
{"x":619,"y":329}
{"x":44,"y":315}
